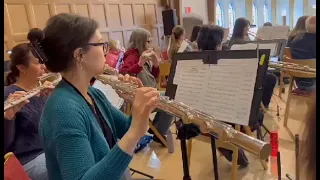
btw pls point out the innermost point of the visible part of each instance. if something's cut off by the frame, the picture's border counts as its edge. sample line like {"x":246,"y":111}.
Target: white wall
{"x":198,"y":7}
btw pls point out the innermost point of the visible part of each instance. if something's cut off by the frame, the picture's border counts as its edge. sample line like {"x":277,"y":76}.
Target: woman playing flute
{"x":21,"y":134}
{"x":84,"y":136}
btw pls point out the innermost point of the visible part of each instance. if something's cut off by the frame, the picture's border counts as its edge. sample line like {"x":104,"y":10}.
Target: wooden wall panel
{"x":117,"y":19}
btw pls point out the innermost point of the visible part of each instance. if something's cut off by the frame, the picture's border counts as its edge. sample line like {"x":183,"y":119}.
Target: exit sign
{"x":188,"y":9}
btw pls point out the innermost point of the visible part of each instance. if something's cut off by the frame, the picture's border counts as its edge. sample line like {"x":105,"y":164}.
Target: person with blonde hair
{"x":140,"y":60}
{"x":176,"y":39}
{"x":114,"y":53}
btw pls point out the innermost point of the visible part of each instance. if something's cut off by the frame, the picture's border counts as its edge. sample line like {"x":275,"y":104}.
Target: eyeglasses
{"x":149,"y":41}
{"x":103,"y":44}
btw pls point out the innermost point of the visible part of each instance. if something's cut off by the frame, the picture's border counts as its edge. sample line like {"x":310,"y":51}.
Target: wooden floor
{"x":156,"y":161}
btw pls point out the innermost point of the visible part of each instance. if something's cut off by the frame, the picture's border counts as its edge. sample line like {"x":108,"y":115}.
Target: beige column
{"x":291,"y":8}
{"x":249,"y":4}
{"x":274,"y":11}
{"x":306,"y":7}
{"x":211,"y":5}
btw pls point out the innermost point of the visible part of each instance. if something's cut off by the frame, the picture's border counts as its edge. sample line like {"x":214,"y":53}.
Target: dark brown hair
{"x":308,"y":146}
{"x":210,"y":36}
{"x":63,"y":34}
{"x":19,"y":56}
{"x":299,"y":28}
{"x":195,"y":32}
{"x":238,"y":29}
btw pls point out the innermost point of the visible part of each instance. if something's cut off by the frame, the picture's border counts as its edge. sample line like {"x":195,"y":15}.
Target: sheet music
{"x":271,"y":46}
{"x":280,"y":32}
{"x":192,"y":82}
{"x":110,"y":94}
{"x":265,"y":32}
{"x":224,"y":90}
{"x":248,"y":46}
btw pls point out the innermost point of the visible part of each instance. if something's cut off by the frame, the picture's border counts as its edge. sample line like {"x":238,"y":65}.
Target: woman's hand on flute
{"x":129,"y":79}
{"x":11,"y":113}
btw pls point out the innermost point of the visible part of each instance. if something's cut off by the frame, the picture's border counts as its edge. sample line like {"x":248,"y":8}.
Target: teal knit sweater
{"x":73,"y":141}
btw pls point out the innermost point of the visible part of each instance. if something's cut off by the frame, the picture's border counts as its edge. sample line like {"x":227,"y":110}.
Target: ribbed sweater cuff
{"x":120,"y":158}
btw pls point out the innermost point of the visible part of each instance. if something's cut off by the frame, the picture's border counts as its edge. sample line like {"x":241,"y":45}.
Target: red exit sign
{"x":188,"y":9}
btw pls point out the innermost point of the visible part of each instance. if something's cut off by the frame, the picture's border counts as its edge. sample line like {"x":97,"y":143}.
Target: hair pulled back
{"x":63,"y":34}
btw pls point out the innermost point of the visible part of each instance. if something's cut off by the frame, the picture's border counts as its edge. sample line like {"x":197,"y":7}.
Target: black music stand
{"x":212,"y":57}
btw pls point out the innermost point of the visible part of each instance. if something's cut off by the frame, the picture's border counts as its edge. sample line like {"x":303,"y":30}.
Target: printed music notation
{"x":224,"y":90}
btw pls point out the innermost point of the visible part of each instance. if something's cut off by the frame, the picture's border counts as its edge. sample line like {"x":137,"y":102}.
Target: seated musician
{"x":304,"y":47}
{"x":114,"y":53}
{"x":79,"y":128}
{"x":176,"y":39}
{"x":139,"y":60}
{"x":162,"y":121}
{"x":298,"y":30}
{"x":21,"y":135}
{"x":239,"y":36}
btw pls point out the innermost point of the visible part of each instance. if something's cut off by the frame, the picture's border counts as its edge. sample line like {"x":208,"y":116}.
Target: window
{"x":231,"y":16}
{"x":265,"y":13}
{"x":254,"y":15}
{"x":219,"y":15}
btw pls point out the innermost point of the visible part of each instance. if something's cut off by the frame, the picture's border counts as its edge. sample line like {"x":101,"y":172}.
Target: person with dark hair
{"x":240,"y":36}
{"x":79,"y":128}
{"x":21,"y":135}
{"x":298,"y":30}
{"x":210,"y":37}
{"x":267,"y":24}
{"x":195,"y":32}
{"x":303,"y":46}
{"x":240,"y":32}
{"x":308,"y":147}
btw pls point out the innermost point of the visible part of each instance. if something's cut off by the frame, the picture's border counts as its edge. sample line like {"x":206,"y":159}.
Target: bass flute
{"x":206,"y":122}
{"x":12,"y":102}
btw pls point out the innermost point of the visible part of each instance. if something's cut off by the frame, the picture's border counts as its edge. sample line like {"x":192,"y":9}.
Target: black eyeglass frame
{"x":103,"y":44}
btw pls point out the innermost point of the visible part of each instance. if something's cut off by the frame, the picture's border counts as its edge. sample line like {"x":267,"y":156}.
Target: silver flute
{"x":292,"y":67}
{"x":9,"y":103}
{"x":207,"y":123}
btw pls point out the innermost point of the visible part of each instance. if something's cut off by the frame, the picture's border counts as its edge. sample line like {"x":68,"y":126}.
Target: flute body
{"x":11,"y":103}
{"x":292,"y":67}
{"x":207,"y":123}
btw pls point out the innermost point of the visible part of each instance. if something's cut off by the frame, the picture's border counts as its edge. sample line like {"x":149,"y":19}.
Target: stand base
{"x":185,"y":132}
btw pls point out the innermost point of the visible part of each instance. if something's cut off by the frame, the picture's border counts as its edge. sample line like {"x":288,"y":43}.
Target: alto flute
{"x":13,"y":102}
{"x":292,"y":67}
{"x":206,"y":122}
